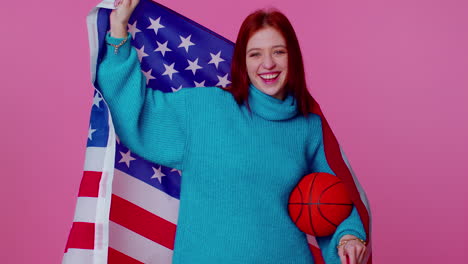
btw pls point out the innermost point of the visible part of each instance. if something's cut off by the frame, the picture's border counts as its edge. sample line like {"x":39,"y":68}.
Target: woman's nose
{"x":268,"y":62}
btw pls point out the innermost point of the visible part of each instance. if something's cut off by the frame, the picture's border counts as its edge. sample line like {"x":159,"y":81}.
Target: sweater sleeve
{"x":351,"y":225}
{"x":150,"y":123}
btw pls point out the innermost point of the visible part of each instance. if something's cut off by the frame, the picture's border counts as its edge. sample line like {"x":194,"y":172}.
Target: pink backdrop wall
{"x":391,"y":77}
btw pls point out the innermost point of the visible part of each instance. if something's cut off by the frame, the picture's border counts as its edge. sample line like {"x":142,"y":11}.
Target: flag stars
{"x":90,"y":132}
{"x":215,"y":59}
{"x":176,"y":89}
{"x":186,"y":43}
{"x":193,"y":66}
{"x":199,"y":84}
{"x":132,"y":29}
{"x":158,"y":174}
{"x":126,"y":157}
{"x":162,"y":48}
{"x":178,"y":171}
{"x":148,"y":76}
{"x":223,"y":81}
{"x":155,"y":25}
{"x":169,"y":70}
{"x":97,"y":99}
{"x":141,"y":53}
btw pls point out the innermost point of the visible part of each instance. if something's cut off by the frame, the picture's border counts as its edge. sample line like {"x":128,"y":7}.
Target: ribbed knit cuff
{"x":351,"y":226}
{"x":351,"y":232}
{"x":123,"y":51}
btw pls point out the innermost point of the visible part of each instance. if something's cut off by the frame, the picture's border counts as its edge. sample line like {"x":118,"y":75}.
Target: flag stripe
{"x":334,"y":158}
{"x":358,"y":185}
{"x":142,"y":222}
{"x":117,"y":257}
{"x":145,"y":196}
{"x":94,"y":159}
{"x":337,"y":162}
{"x":362,"y":194}
{"x":317,"y":254}
{"x":137,"y":247}
{"x":81,"y":236}
{"x":85,"y":209}
{"x":90,"y":184}
{"x":312,"y":240}
{"x":78,"y":256}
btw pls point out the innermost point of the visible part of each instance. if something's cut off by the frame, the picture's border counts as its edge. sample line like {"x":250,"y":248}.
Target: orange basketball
{"x":319,"y":203}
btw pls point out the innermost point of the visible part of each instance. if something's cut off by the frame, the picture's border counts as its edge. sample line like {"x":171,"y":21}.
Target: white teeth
{"x":269,"y":76}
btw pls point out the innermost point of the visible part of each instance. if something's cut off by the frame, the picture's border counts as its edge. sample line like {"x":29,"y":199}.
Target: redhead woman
{"x":241,"y":149}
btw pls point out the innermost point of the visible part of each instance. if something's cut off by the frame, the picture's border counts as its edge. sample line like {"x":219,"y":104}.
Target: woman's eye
{"x":280,"y":52}
{"x":256,"y":54}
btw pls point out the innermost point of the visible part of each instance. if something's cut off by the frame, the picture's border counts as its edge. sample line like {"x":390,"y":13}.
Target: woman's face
{"x":267,"y":62}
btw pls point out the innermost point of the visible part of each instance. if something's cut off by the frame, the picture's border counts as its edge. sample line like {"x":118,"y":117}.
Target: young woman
{"x":241,"y":149}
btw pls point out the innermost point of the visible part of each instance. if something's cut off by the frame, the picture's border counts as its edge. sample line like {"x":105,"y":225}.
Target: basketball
{"x":319,"y":203}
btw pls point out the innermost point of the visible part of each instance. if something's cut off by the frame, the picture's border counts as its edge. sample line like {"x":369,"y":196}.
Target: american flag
{"x":127,"y":207}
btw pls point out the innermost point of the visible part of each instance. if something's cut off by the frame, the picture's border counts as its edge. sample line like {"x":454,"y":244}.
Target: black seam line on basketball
{"x":318,"y":206}
{"x":328,"y":220}
{"x":310,"y":199}
{"x":324,"y":203}
{"x":300,"y":212}
{"x":326,"y":189}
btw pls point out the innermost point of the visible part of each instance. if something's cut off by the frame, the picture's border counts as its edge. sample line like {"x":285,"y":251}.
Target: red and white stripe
{"x":339,"y":164}
{"x":89,"y":236}
{"x":142,"y":220}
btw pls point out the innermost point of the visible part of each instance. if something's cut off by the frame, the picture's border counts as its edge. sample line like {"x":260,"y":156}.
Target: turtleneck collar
{"x":271,"y":108}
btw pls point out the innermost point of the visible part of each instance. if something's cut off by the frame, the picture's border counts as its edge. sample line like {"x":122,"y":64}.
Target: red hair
{"x":295,"y":80}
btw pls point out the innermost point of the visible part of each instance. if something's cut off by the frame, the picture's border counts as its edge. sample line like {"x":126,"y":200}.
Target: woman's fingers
{"x":127,"y":4}
{"x":123,"y":10}
{"x":121,"y":3}
{"x":134,"y":3}
{"x":352,"y":252}
{"x":341,"y":254}
{"x":362,"y":254}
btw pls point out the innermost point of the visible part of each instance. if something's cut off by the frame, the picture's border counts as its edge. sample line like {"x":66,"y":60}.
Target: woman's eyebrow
{"x":279,"y":46}
{"x":276,"y":46}
{"x":249,"y":50}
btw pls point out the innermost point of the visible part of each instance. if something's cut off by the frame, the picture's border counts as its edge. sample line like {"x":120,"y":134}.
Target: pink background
{"x":391,"y":77}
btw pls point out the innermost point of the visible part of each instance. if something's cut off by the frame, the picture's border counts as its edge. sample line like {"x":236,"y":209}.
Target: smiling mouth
{"x":269,"y":77}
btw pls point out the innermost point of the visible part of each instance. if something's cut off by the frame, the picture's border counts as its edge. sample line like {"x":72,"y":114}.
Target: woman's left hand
{"x":353,"y":250}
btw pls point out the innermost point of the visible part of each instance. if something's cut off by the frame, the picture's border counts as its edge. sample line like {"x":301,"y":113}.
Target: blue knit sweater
{"x":239,"y":167}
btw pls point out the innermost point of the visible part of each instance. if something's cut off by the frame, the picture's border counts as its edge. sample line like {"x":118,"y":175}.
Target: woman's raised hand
{"x":120,"y":16}
{"x":351,"y":250}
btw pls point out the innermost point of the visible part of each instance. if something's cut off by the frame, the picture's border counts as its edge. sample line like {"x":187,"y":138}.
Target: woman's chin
{"x":272,"y":91}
